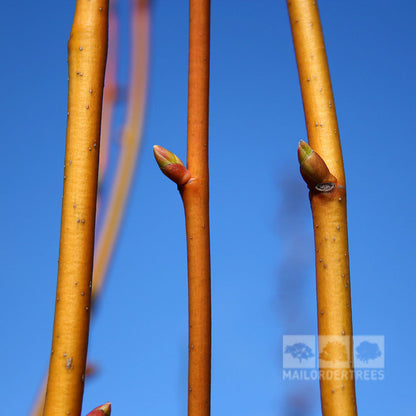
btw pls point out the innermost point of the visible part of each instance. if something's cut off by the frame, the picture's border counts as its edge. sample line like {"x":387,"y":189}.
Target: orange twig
{"x":87,"y":50}
{"x":324,"y":173}
{"x":139,"y":68}
{"x":193,"y":184}
{"x":109,"y":98}
{"x":195,"y":194}
{"x":37,"y":409}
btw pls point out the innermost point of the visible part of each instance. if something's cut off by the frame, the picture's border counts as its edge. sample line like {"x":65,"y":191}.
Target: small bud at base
{"x":103,"y":410}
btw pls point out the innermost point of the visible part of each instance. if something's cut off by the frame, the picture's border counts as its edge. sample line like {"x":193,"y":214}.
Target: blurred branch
{"x":109,"y":98}
{"x":298,"y":398}
{"x":130,"y":141}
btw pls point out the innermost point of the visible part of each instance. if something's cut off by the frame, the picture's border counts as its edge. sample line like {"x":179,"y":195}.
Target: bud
{"x":171,"y":165}
{"x":313,"y":169}
{"x":103,"y":410}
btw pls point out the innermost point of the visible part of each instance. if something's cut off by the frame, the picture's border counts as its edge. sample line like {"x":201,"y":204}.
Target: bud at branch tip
{"x":171,"y":165}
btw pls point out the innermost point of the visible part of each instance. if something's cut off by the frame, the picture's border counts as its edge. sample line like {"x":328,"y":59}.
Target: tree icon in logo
{"x":300,"y":351}
{"x":334,"y":351}
{"x":367,"y":351}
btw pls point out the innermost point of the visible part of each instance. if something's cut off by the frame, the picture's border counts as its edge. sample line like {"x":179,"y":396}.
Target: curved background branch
{"x":130,"y":141}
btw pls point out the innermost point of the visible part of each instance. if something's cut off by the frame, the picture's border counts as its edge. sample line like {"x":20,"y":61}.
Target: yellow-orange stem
{"x":87,"y":50}
{"x":315,"y":82}
{"x":329,"y":213}
{"x":195,"y":196}
{"x":39,"y":404}
{"x":129,"y":153}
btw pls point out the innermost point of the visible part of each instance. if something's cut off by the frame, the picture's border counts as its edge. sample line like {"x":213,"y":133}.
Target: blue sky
{"x":262,"y":243}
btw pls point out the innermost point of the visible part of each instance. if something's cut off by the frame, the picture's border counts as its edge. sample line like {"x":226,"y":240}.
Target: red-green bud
{"x":314,"y":170}
{"x":171,"y":165}
{"x":103,"y":410}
